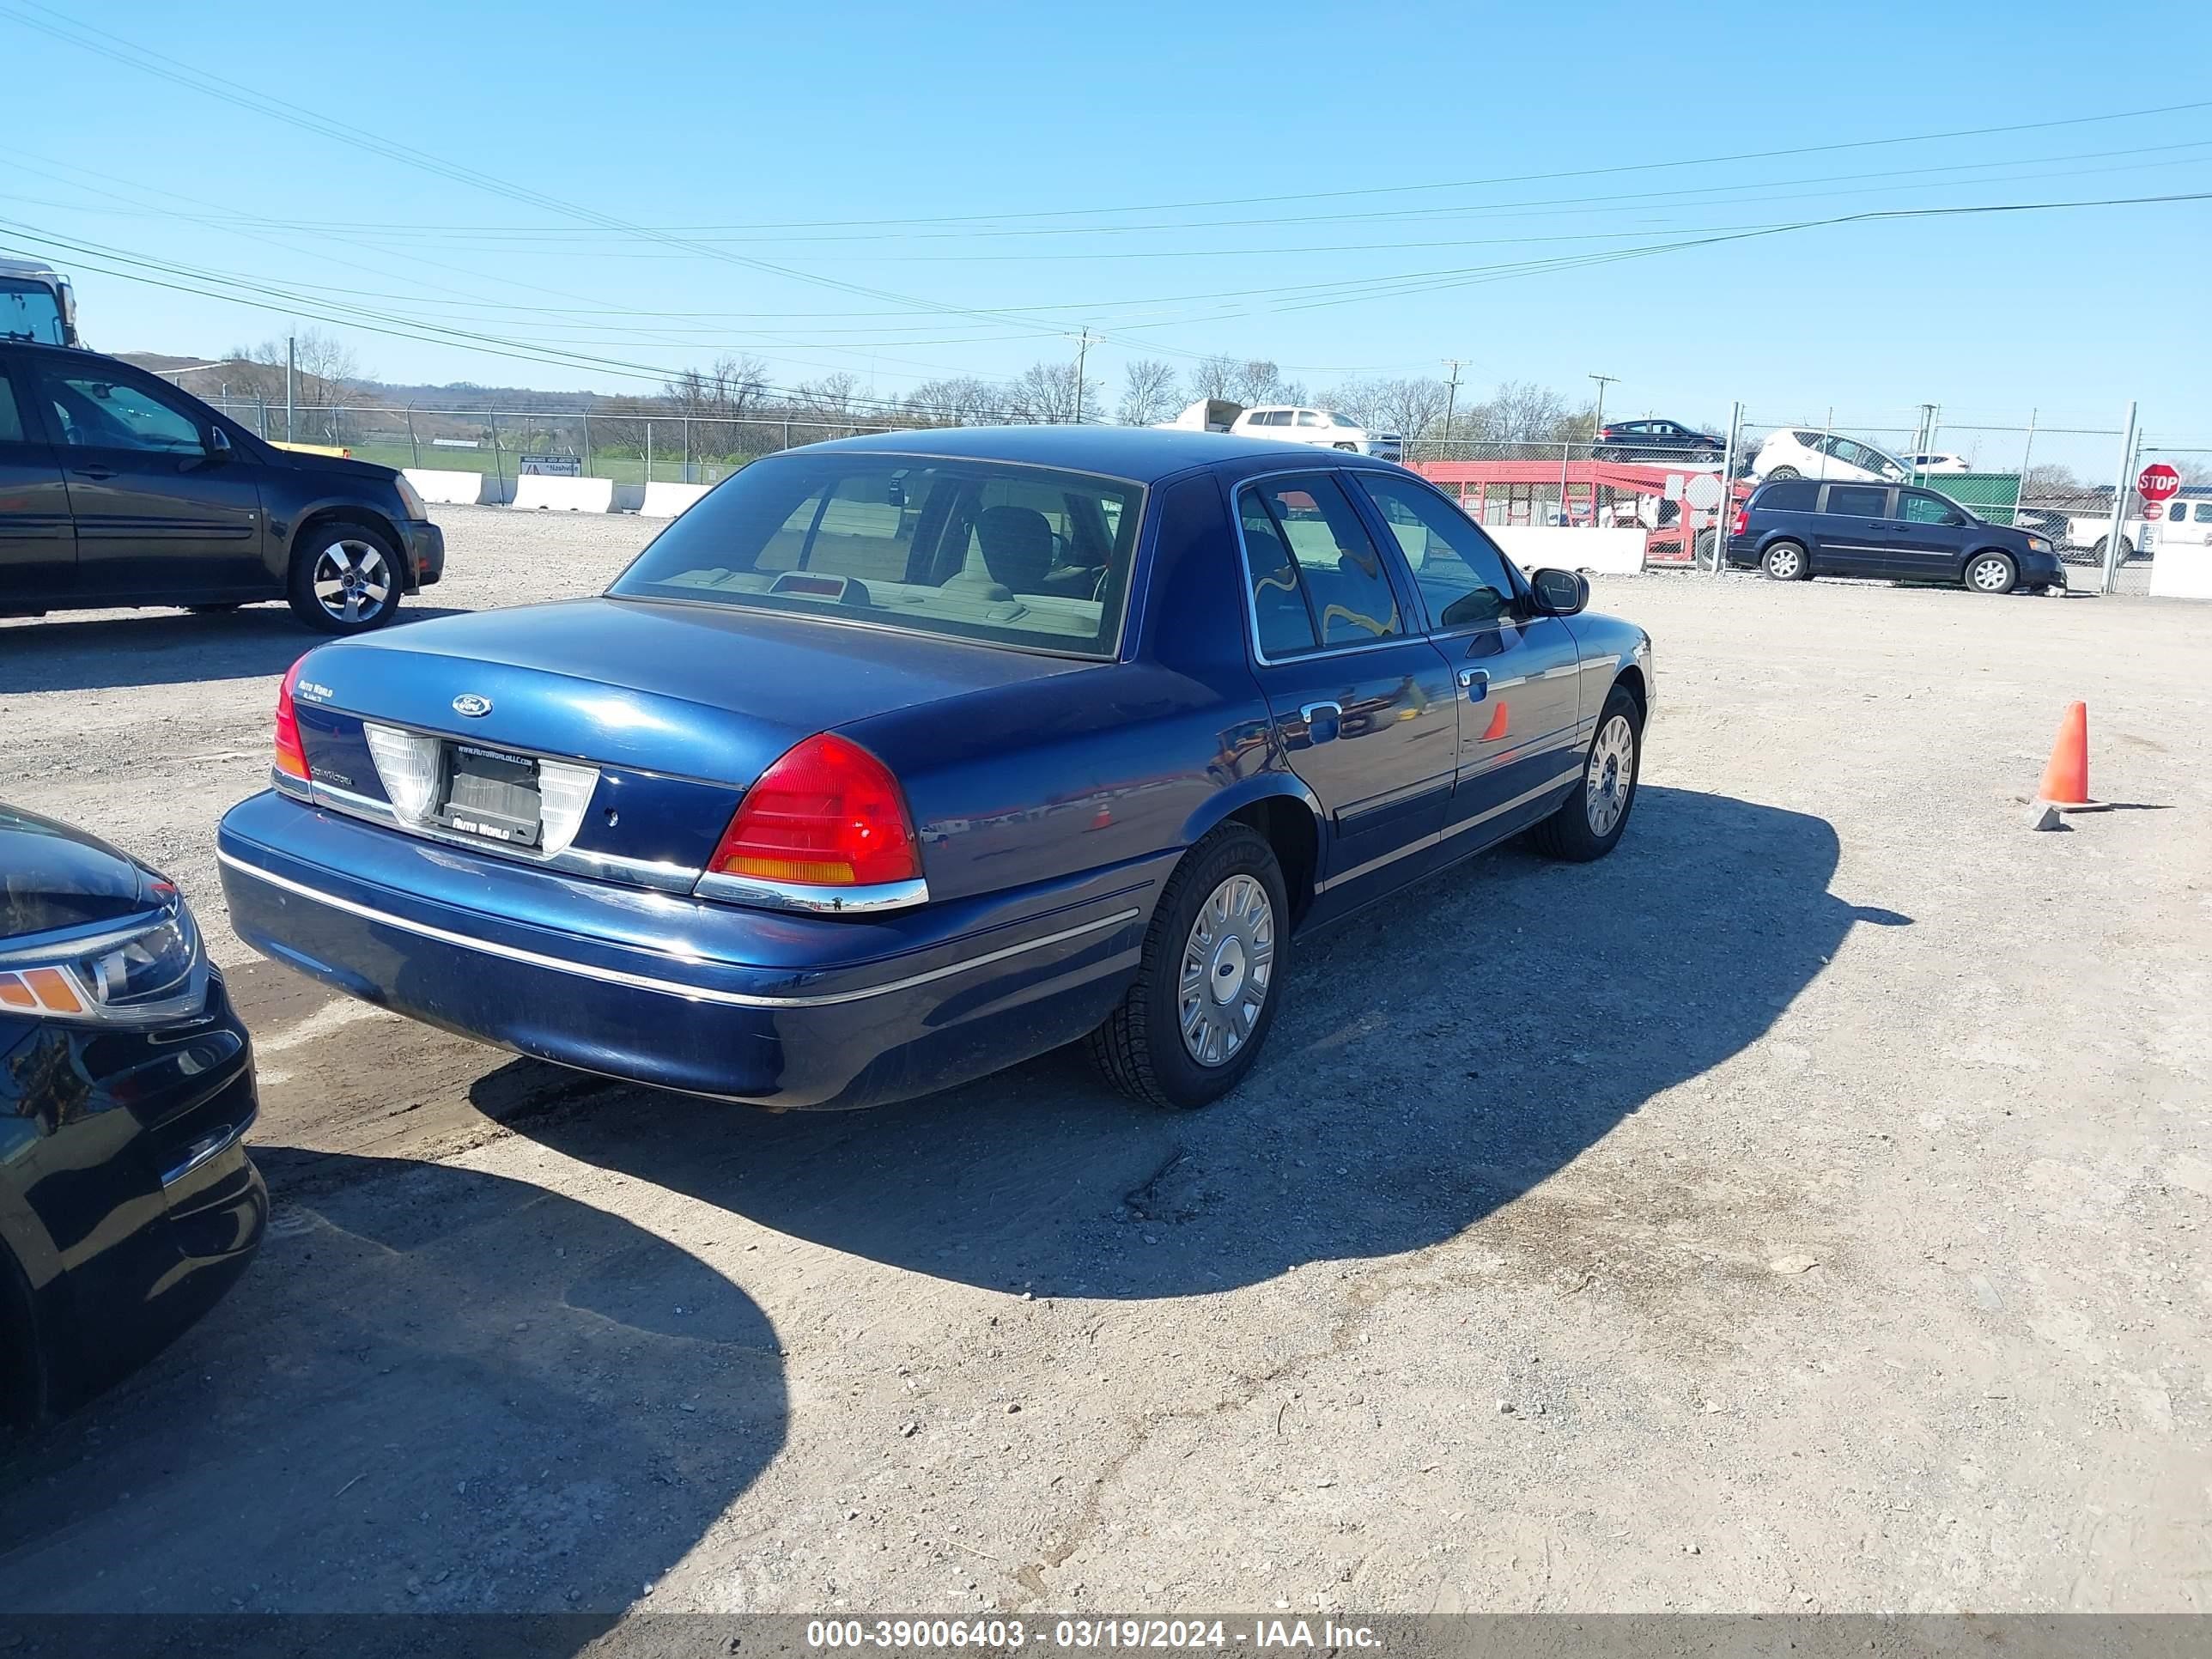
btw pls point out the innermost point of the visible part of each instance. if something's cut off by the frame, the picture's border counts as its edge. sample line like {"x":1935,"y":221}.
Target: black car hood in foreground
{"x":52,"y":876}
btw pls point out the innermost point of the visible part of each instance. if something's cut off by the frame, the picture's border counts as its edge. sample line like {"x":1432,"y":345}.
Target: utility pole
{"x":1082,"y":352}
{"x":291,"y":372}
{"x":1597,"y":421}
{"x":1451,"y":393}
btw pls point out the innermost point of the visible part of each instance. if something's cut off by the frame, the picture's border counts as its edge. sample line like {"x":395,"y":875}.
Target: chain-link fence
{"x":2054,"y":480}
{"x":626,"y":447}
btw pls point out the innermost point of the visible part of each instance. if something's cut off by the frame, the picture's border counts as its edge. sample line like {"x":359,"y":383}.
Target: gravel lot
{"x":1489,"y":1290}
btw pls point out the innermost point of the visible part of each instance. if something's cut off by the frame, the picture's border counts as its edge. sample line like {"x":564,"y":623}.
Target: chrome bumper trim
{"x":647,"y":982}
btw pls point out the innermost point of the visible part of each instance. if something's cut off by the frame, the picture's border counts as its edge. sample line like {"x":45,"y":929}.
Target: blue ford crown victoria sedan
{"x":900,"y":759}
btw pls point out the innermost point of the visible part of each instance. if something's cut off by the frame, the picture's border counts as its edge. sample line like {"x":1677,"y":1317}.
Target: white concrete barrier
{"x":1603,"y":552}
{"x":443,"y":488}
{"x":536,"y":490}
{"x":668,"y":501}
{"x":2180,"y":571}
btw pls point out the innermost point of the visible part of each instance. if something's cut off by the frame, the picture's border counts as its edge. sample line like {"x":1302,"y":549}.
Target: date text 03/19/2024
{"x":1263,"y":1634}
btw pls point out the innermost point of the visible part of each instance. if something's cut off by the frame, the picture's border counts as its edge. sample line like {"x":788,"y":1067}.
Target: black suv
{"x":1624,"y":441}
{"x":127,"y":1201}
{"x":118,"y":489}
{"x":1795,"y":529}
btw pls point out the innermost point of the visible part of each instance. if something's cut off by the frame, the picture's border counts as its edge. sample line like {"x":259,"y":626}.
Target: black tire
{"x":1349,"y":449}
{"x":1141,"y":1047}
{"x":2127,"y":547}
{"x":317,"y":562}
{"x":1785,"y":472}
{"x":1991,"y":573}
{"x":1572,"y":832}
{"x":1786,"y":561}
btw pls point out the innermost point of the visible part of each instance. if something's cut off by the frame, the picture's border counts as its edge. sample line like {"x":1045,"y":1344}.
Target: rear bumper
{"x":426,"y":551}
{"x":769,"y":1008}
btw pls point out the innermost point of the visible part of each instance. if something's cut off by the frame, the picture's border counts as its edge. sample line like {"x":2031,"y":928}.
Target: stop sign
{"x":2158,"y":482}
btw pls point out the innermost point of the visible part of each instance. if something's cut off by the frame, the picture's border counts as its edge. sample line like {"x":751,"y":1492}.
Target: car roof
{"x":1142,"y":454}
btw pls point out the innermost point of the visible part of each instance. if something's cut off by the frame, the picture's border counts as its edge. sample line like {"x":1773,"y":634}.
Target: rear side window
{"x":1339,"y":571}
{"x":1279,"y":603}
{"x":11,"y":419}
{"x":1790,"y":495}
{"x":1858,"y":500}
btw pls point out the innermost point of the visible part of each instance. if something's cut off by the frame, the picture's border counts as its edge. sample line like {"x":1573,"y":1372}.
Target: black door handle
{"x":95,"y":473}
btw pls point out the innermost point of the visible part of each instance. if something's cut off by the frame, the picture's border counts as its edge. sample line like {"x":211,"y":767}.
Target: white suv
{"x":1321,"y":427}
{"x":1795,"y":452}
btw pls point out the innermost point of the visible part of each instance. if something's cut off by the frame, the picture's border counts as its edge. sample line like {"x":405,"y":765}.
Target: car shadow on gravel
{"x":1434,"y":1059}
{"x":101,"y":652}
{"x":436,"y":1391}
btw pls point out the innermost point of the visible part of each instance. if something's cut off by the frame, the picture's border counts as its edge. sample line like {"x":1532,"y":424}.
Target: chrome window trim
{"x":646,"y":981}
{"x":767,"y":895}
{"x":1236,"y":487}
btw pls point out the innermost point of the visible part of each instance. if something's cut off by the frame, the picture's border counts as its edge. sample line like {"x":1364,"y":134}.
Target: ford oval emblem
{"x":471,"y":705}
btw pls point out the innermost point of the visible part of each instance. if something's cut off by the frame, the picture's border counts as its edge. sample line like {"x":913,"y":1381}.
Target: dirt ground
{"x":1803,"y":1209}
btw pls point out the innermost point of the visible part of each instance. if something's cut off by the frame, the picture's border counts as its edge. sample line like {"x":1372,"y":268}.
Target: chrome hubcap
{"x":1990,"y":574}
{"x":1227,"y":961}
{"x":1610,"y":774}
{"x":352,"y":580}
{"x":1785,"y":563}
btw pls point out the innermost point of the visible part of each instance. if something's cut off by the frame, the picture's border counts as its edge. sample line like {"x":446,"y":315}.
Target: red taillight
{"x":1740,"y":525}
{"x":827,"y":814}
{"x":291,"y":758}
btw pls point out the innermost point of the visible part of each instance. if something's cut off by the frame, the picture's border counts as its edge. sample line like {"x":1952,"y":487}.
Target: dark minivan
{"x":1795,"y":529}
{"x":118,"y":489}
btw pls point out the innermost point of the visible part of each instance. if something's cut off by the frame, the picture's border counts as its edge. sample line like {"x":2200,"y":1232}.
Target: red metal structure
{"x":1617,"y":493}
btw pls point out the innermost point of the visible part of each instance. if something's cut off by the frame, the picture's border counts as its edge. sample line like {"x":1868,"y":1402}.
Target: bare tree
{"x":830,"y":399}
{"x":1408,"y":408}
{"x":732,"y":388}
{"x":1049,"y":391}
{"x":2047,"y":479}
{"x":962,"y":400}
{"x":1148,"y":392}
{"x":1214,"y":377}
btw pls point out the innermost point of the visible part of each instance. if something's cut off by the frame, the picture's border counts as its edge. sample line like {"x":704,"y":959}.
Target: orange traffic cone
{"x":2066,"y":780}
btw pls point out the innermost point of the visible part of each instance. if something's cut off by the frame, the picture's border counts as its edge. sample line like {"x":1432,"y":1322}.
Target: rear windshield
{"x":982,"y":550}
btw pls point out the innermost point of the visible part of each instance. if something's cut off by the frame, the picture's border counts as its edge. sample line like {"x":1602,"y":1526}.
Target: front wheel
{"x":1590,"y":821}
{"x":1784,"y":473}
{"x":1990,"y":573}
{"x":345,"y":579}
{"x":1191,"y":1026}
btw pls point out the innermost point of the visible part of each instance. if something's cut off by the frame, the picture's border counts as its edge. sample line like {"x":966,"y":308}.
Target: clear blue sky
{"x":744,"y":119}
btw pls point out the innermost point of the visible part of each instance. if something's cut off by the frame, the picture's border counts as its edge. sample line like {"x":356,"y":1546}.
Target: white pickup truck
{"x":1323,"y":428}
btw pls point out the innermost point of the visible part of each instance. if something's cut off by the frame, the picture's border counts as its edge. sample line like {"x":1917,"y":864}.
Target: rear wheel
{"x":1191,"y":1026}
{"x":1786,"y":561}
{"x":1349,"y":449}
{"x":1990,"y":573}
{"x":1785,"y":472}
{"x":1588,"y":823}
{"x":346,"y":578}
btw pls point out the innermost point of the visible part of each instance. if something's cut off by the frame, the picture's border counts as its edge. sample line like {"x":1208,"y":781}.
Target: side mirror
{"x":218,"y":445}
{"x":1559,"y":593}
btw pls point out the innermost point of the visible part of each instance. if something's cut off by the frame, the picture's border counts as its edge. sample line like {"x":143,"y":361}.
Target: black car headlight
{"x":147,"y":971}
